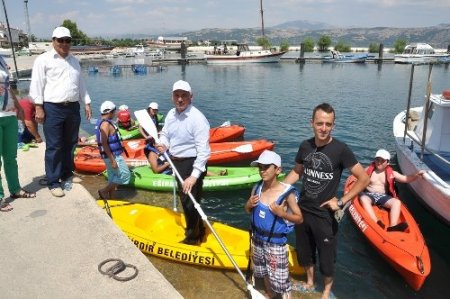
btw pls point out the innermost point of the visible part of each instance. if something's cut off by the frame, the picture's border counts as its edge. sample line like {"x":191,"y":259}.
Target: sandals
{"x":4,"y":206}
{"x":23,"y":194}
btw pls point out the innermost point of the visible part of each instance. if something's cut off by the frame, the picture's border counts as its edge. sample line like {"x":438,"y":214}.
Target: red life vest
{"x":390,"y":179}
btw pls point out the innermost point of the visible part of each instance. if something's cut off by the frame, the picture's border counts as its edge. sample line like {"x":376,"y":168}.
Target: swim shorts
{"x":121,"y":175}
{"x":378,"y":199}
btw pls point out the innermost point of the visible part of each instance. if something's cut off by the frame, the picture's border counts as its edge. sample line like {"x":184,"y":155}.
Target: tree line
{"x":323,"y":43}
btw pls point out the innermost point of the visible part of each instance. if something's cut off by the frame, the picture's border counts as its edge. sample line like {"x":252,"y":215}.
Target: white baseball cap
{"x":61,"y":32}
{"x":384,"y":154}
{"x":107,"y":107}
{"x":266,"y":158}
{"x":123,"y":107}
{"x":181,"y":85}
{"x":153,"y":105}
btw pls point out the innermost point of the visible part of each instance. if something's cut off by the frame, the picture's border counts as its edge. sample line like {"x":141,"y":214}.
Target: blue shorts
{"x":121,"y":175}
{"x":379,"y":199}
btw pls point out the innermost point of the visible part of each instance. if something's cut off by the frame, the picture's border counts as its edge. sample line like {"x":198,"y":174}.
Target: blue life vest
{"x":114,"y":141}
{"x":149,"y":147}
{"x":266,"y":225}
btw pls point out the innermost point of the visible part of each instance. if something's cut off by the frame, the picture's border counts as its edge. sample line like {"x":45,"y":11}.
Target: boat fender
{"x":446,"y":94}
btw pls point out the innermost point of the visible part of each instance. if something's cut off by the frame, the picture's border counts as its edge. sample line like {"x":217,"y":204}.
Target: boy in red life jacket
{"x":381,"y":192}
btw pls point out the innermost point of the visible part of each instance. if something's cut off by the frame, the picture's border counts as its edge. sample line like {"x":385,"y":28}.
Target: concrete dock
{"x":52,"y":247}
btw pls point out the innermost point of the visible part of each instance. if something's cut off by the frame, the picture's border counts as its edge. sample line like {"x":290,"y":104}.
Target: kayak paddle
{"x":146,"y":122}
{"x":242,"y":149}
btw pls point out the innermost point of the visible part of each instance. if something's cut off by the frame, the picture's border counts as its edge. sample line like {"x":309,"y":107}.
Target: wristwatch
{"x":340,"y":203}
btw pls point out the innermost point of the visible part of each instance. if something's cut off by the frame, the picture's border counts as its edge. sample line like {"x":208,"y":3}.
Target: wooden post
{"x":301,"y":59}
{"x":380,"y":53}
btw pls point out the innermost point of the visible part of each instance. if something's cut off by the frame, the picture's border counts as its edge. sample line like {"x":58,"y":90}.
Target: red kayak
{"x":88,"y":159}
{"x":405,"y":250}
{"x":216,"y":134}
{"x":226,"y":133}
{"x":239,"y":151}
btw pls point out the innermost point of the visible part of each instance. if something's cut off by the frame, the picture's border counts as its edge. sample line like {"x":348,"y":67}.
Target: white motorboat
{"x":425,"y":145}
{"x":420,"y":53}
{"x":242,"y":54}
{"x":337,"y":57}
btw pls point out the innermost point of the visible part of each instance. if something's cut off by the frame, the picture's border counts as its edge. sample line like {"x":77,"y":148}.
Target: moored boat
{"x":420,"y":53}
{"x":158,"y":231}
{"x":406,"y":250}
{"x":233,"y":178}
{"x":337,"y":57}
{"x":425,"y":145}
{"x":243,"y":54}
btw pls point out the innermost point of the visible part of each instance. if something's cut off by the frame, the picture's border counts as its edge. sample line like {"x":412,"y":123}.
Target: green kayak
{"x":234,"y":178}
{"x":131,"y":133}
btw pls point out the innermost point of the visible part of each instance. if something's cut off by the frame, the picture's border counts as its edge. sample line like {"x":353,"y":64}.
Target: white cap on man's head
{"x":384,"y":154}
{"x":106,"y":107}
{"x":266,"y":158}
{"x":181,"y":85}
{"x":61,"y":32}
{"x":153,"y":105}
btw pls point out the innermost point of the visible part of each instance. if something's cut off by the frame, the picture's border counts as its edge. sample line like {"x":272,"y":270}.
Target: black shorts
{"x":317,"y":234}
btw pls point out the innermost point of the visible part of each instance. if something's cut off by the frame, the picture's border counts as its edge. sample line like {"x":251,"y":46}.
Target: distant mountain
{"x":296,"y":31}
{"x":302,"y":24}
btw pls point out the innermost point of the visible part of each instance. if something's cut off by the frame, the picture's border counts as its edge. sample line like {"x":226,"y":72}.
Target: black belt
{"x":173,"y":158}
{"x":66,"y":103}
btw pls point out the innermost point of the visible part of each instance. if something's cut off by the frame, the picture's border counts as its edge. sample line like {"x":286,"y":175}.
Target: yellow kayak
{"x":158,"y":231}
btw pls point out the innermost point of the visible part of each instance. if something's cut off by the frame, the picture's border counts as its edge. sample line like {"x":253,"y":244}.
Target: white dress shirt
{"x":186,"y":135}
{"x":56,"y":79}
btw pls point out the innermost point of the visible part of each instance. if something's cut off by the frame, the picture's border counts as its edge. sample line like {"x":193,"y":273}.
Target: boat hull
{"x":431,"y":189}
{"x":158,"y":231}
{"x":250,"y":57}
{"x":236,"y":178}
{"x":88,"y":159}
{"x":405,"y":251}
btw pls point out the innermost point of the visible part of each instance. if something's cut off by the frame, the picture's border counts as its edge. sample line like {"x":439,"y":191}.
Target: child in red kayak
{"x":381,"y":191}
{"x":274,"y":212}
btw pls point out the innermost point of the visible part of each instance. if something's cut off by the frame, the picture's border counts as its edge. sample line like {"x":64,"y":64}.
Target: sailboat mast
{"x":262,"y":18}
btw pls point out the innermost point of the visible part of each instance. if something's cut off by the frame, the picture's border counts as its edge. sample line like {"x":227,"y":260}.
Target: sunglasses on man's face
{"x":65,"y":40}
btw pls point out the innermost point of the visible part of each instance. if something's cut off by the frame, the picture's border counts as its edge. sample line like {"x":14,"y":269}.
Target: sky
{"x":103,"y":18}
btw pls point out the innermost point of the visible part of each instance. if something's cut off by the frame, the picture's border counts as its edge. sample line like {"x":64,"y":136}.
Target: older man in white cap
{"x":186,"y":135}
{"x":58,"y":90}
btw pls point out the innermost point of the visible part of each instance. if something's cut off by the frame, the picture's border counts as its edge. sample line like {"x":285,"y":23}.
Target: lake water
{"x":275,"y":102}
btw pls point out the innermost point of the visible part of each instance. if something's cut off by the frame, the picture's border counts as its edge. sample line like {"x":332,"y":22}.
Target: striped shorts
{"x":271,"y":260}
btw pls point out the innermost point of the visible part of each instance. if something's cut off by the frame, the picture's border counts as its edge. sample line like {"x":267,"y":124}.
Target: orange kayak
{"x":226,"y":133}
{"x":406,"y":251}
{"x":216,"y":134}
{"x":238,"y":151}
{"x":88,"y":159}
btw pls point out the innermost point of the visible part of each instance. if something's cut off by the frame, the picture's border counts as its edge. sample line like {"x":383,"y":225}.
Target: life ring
{"x":446,"y":94}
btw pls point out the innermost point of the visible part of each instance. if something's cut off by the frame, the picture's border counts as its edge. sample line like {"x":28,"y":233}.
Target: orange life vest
{"x":390,"y":179}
